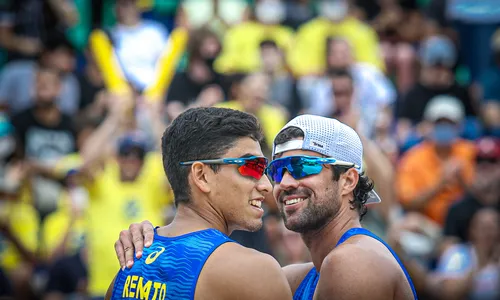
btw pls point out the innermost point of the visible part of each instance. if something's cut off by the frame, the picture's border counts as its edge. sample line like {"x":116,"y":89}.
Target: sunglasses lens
{"x":305,"y":167}
{"x":276,"y":169}
{"x":253,"y":168}
{"x":298,"y":167}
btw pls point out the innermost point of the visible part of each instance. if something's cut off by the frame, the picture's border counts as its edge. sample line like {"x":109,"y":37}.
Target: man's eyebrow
{"x":247,"y":155}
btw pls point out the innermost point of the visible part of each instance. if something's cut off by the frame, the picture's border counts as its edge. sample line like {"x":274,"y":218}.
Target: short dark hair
{"x":202,"y":133}
{"x":196,"y":40}
{"x":268,"y":43}
{"x":364,"y":186}
{"x":336,"y":73}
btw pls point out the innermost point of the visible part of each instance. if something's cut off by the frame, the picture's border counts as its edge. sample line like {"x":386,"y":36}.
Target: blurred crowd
{"x":87,"y":88}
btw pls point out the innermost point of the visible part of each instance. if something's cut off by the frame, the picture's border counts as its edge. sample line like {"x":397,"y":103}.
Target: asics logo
{"x":154,"y":255}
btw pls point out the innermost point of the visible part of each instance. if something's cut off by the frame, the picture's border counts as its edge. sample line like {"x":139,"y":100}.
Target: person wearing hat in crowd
{"x":124,"y":185}
{"x":433,"y":175}
{"x":322,"y":192}
{"x":438,"y":56}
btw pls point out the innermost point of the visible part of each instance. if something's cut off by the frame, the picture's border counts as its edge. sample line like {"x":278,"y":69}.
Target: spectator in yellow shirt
{"x":241,"y":47}
{"x":308,"y":54}
{"x":129,"y":185}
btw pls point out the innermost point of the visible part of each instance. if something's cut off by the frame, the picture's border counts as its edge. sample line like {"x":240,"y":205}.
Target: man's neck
{"x":189,"y":219}
{"x":324,"y":240}
{"x":48,"y":116}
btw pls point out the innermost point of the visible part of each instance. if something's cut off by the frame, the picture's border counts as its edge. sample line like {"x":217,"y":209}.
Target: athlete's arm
{"x":135,"y":238}
{"x":354,"y":273}
{"x":109,"y":293}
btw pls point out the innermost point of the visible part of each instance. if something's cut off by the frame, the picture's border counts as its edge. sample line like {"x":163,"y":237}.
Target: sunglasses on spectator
{"x":302,"y":166}
{"x":252,"y":166}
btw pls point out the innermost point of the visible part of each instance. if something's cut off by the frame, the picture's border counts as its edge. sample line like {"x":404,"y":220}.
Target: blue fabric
{"x":490,"y":82}
{"x":307,"y":287}
{"x":169,"y":269}
{"x":480,"y":57}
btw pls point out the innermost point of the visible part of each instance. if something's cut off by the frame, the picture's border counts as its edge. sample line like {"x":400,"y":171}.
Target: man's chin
{"x":252,"y":227}
{"x":293,"y":225}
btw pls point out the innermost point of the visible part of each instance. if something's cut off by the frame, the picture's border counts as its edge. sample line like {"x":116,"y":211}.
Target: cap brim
{"x":373,"y":197}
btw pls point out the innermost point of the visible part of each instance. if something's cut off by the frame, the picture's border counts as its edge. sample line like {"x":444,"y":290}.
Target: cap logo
{"x":316,"y":144}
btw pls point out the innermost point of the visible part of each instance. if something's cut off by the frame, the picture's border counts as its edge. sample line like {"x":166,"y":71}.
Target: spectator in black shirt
{"x":43,"y":131}
{"x":485,"y":192}
{"x":199,"y":84}
{"x":44,"y":135}
{"x":437,"y":57}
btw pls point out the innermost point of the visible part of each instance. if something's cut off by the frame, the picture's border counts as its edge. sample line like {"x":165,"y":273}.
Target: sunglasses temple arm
{"x":208,"y":161}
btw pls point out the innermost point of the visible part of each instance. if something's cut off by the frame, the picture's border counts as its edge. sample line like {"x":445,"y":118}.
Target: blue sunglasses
{"x":302,"y":166}
{"x":253,"y":166}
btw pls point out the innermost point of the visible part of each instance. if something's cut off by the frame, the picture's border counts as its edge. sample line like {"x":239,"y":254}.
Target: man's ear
{"x":350,"y":180}
{"x":200,"y":176}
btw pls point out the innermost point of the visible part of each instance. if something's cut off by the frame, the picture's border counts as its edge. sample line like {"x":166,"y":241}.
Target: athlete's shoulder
{"x":233,"y":271}
{"x":295,"y":273}
{"x":362,"y":250}
{"x":234,"y":255}
{"x":358,"y":273}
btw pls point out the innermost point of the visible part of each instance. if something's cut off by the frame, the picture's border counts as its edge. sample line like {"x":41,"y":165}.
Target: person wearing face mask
{"x":434,"y":174}
{"x":241,"y":48}
{"x":334,"y":20}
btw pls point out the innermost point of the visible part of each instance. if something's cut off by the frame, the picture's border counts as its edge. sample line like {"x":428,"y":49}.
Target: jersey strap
{"x":362,"y":231}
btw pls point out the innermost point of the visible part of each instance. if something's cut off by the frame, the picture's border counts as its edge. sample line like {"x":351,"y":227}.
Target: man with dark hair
{"x":215,"y":167}
{"x":321,"y":191}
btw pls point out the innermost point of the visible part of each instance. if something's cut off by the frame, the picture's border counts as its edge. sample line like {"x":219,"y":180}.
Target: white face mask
{"x":334,"y":10}
{"x":270,"y":12}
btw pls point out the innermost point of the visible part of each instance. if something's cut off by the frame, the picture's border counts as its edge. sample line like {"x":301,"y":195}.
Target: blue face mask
{"x":444,"y":134}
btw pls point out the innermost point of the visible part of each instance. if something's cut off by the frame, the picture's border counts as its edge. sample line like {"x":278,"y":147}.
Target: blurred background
{"x":87,"y":88}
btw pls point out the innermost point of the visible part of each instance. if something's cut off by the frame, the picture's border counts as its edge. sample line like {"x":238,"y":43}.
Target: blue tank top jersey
{"x":169,"y":268}
{"x":306,"y":289}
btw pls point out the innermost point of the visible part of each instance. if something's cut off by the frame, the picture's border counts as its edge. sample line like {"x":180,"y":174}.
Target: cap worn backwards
{"x":328,"y":137}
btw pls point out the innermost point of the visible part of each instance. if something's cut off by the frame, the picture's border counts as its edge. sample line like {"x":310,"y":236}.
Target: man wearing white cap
{"x":433,"y":174}
{"x":321,"y":191}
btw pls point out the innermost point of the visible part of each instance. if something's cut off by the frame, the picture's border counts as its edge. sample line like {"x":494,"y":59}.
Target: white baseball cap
{"x":444,"y":107}
{"x":328,"y":137}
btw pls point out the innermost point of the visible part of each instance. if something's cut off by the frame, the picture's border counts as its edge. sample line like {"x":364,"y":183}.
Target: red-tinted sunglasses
{"x":253,"y":166}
